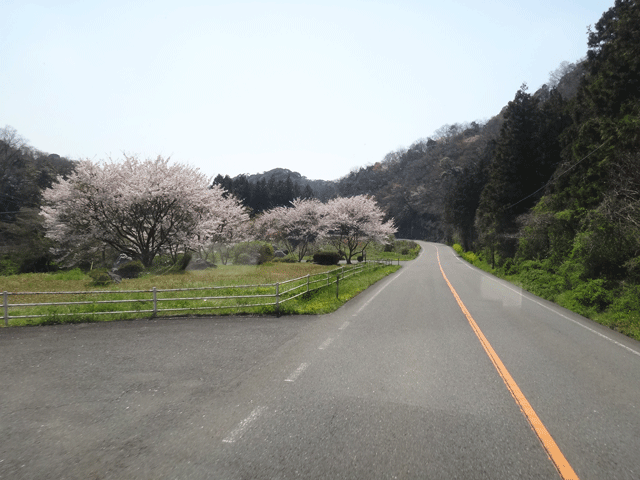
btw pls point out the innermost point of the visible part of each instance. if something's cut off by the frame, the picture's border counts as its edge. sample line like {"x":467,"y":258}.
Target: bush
{"x":326,"y":258}
{"x":470,"y":257}
{"x":458,"y":248}
{"x":593,"y":294}
{"x":539,"y":281}
{"x":244,"y":259}
{"x":100,"y":276}
{"x":8,"y":266}
{"x":628,"y":302}
{"x":257,"y":252}
{"x":509,"y":267}
{"x":400,"y":245}
{"x":573,"y":273}
{"x":131,"y":269}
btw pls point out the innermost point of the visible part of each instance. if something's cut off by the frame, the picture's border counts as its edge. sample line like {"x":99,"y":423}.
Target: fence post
{"x":155,"y":302}
{"x":338,"y":285}
{"x":5,"y":302}
{"x":307,"y":283}
{"x":277,"y":299}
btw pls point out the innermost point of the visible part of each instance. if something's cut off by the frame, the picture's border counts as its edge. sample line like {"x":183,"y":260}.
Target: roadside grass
{"x":224,"y":281}
{"x":400,"y":250}
{"x":616,"y":306}
{"x":325,"y":300}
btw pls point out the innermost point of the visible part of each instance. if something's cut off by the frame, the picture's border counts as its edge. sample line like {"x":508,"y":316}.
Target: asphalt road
{"x":399,"y":383}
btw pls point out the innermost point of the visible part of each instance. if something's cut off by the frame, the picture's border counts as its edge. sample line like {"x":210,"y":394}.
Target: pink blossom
{"x":140,"y":208}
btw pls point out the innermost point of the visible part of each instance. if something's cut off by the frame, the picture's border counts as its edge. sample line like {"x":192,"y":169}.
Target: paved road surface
{"x":399,"y":383}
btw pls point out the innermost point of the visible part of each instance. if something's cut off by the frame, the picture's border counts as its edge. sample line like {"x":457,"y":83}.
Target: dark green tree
{"x":525,"y":157}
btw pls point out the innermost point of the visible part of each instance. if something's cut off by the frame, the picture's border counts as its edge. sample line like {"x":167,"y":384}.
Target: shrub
{"x":258,"y":252}
{"x":388,"y":247}
{"x":539,"y":281}
{"x":470,"y":257}
{"x":326,"y":258}
{"x":100,"y":276}
{"x":405,"y":244}
{"x":244,"y":259}
{"x":458,"y":248}
{"x":131,"y":269}
{"x":8,"y":266}
{"x":628,"y":303}
{"x":593,"y":294}
{"x":573,"y":273}
{"x":509,"y":267}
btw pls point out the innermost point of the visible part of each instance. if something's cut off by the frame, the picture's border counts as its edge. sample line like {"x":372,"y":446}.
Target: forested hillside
{"x":276,"y":187}
{"x":555,"y":175}
{"x":24,"y":173}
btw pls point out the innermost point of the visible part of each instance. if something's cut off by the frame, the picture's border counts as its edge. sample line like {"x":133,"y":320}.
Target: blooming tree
{"x":352,"y":223}
{"x":140,"y":208}
{"x":226,"y":225}
{"x":298,"y":226}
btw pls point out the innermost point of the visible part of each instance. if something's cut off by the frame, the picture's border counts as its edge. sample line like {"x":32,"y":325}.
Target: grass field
{"x":215,"y":286}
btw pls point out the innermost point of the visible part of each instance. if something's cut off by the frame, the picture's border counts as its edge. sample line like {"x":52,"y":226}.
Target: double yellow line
{"x":550,"y":446}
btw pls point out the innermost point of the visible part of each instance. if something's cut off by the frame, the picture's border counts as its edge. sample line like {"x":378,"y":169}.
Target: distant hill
{"x":322,"y":189}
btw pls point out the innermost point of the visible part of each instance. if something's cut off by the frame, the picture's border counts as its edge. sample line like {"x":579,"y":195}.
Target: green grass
{"x":224,"y":281}
{"x":325,"y":300}
{"x":400,"y":250}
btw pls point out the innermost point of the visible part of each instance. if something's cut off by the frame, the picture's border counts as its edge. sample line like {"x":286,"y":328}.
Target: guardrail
{"x":229,"y":297}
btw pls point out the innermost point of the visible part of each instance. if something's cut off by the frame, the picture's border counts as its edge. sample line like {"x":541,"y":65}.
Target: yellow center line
{"x":550,"y":446}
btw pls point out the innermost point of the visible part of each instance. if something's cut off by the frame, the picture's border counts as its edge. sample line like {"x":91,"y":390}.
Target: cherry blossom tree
{"x":298,"y":226}
{"x":226,"y":225}
{"x":352,"y":223}
{"x":304,"y":224}
{"x":140,"y":208}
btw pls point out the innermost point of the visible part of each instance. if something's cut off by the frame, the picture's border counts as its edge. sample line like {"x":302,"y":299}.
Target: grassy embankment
{"x":616,"y":305}
{"x":210,"y":280}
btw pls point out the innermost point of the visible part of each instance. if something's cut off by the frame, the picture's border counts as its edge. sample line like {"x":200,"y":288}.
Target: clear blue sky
{"x":242,"y":87}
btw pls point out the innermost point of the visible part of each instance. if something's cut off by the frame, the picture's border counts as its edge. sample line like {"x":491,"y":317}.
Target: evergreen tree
{"x":260,"y":201}
{"x":525,"y":157}
{"x":510,"y":173}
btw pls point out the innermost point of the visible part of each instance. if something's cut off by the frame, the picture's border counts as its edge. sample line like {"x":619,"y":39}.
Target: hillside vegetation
{"x":546,"y":193}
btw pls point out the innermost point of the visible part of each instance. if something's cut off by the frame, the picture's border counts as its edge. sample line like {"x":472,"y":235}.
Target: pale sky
{"x":243,"y":87}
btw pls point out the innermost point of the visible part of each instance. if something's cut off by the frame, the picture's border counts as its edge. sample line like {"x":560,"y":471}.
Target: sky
{"x":318,"y":87}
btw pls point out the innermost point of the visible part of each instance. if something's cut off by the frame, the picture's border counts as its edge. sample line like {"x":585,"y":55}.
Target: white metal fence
{"x":226,"y":297}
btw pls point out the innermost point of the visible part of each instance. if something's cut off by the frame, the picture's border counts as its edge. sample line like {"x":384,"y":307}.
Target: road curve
{"x":438,"y":371}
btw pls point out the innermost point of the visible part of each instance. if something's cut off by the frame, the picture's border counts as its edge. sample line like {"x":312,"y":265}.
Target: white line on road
{"x":325,"y":344}
{"x":376,"y":294}
{"x":243,"y":425}
{"x":550,"y":309}
{"x":344,"y":325}
{"x":296,"y":374}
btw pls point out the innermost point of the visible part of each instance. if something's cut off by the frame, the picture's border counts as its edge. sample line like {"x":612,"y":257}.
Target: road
{"x":405,"y":381}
